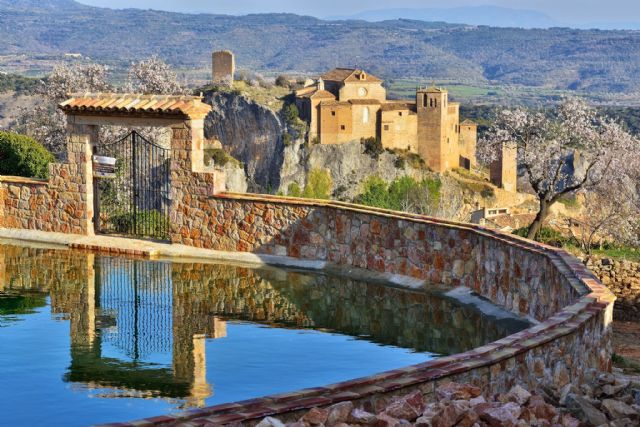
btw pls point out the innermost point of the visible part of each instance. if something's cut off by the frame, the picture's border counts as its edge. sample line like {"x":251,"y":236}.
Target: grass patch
{"x":625,"y":364}
{"x":219,"y":157}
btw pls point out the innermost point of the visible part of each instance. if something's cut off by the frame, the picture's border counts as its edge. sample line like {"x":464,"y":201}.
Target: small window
{"x":386,"y":127}
{"x":333,"y":113}
{"x":342,"y":127}
{"x":365,"y":115}
{"x":400,"y":113}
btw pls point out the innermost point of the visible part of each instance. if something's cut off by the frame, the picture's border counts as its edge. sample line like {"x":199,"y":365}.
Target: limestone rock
{"x":339,"y":413}
{"x":316,"y":416}
{"x":455,"y":391}
{"x":270,"y":422}
{"x":585,"y":411}
{"x":617,"y":409}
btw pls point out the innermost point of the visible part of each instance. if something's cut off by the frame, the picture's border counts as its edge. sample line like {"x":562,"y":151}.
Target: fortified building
{"x":348,"y":104}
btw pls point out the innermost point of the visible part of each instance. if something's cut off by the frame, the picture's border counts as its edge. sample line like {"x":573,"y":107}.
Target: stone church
{"x":348,"y":104}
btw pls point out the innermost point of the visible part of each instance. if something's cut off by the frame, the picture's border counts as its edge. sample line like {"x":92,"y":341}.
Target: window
{"x":400,"y":113}
{"x":386,"y":127}
{"x":333,"y":113}
{"x":424,"y":100}
{"x":342,"y":127}
{"x":365,"y":115}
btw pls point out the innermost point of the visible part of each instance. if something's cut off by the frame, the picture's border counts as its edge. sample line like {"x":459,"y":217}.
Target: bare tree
{"x":549,"y":144}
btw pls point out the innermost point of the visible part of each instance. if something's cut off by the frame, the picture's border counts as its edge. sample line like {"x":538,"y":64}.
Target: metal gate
{"x":131,"y":188}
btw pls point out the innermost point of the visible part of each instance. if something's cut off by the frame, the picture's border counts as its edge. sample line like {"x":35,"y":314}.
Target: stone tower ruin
{"x":503,"y":172}
{"x":223,"y":67}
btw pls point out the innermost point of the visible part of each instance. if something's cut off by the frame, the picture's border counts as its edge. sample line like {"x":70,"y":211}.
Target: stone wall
{"x":570,"y":343}
{"x":623,"y":279}
{"x":521,"y":279}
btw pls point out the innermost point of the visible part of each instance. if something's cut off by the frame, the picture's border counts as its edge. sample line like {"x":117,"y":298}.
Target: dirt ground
{"x":626,"y":345}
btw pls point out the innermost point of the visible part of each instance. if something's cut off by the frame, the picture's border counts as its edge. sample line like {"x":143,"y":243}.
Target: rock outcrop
{"x":249,"y":132}
{"x":348,"y":164}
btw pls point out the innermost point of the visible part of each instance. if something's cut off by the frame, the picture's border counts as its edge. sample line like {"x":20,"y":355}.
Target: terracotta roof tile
{"x":350,"y":75}
{"x":468,"y":123}
{"x":130,"y":103}
{"x":364,"y":101}
{"x":399,"y":105}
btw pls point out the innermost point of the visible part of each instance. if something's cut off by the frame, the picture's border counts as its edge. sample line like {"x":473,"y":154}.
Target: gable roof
{"x":349,"y":75}
{"x":131,"y":103}
{"x":468,"y":122}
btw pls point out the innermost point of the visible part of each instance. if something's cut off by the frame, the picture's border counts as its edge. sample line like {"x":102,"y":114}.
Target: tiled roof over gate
{"x":136,"y":105}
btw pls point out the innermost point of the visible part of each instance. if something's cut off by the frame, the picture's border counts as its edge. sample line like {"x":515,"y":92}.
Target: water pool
{"x":87,"y":339}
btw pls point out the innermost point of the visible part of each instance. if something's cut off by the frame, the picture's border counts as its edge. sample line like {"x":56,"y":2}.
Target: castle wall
{"x":399,"y":130}
{"x":336,"y":123}
{"x":468,"y":141}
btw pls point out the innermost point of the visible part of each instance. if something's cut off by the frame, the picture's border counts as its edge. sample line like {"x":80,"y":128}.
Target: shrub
{"x":488,"y":193}
{"x":315,"y":141}
{"x":286,"y":139}
{"x":372,"y":146}
{"x":282,"y":81}
{"x":294,"y":190}
{"x":546,"y":235}
{"x":149,"y":222}
{"x":21,"y":155}
{"x":291,"y":114}
{"x":402,"y":194}
{"x":319,"y":185}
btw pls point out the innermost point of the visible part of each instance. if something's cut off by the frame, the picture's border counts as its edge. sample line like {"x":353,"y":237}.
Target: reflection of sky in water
{"x":251,"y":361}
{"x":149,"y":315}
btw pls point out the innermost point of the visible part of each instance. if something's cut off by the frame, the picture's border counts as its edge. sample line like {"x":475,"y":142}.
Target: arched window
{"x":365,"y":115}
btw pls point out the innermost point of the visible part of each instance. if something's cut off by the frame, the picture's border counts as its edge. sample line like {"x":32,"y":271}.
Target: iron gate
{"x":133,"y":200}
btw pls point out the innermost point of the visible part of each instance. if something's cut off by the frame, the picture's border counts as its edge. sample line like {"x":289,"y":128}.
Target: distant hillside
{"x":591,"y":60}
{"x":479,"y":15}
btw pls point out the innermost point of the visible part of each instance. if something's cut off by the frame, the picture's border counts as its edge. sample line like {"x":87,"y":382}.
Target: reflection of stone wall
{"x":387,"y":315}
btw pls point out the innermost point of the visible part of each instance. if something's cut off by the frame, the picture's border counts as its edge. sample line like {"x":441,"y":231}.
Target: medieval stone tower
{"x":223,"y":67}
{"x":431,"y":108}
{"x":503,"y":172}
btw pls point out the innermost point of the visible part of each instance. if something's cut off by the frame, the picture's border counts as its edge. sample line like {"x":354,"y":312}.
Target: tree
{"x":561,"y":151}
{"x":610,"y":212}
{"x":21,"y":155}
{"x":46,"y":123}
{"x":153,"y":76}
{"x":319,"y":185}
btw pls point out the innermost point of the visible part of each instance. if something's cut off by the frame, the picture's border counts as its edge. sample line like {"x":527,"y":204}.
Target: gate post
{"x":79,"y":188}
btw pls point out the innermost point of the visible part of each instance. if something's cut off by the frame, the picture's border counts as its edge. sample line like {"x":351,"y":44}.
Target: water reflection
{"x":128,"y":317}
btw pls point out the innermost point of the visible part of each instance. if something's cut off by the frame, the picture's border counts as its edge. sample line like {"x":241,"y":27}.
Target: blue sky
{"x":569,"y":11}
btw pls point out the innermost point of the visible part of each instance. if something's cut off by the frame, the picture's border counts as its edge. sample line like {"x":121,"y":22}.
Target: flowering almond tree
{"x":561,"y":151}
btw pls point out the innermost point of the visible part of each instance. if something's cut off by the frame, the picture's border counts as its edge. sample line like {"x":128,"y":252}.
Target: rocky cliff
{"x":249,"y":132}
{"x":348,"y":164}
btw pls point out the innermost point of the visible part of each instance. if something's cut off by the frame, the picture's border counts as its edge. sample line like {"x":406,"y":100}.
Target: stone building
{"x":503,"y":172}
{"x":348,"y":104}
{"x":223,"y":67}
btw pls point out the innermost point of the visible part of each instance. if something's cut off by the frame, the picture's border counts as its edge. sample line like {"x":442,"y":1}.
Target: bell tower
{"x":431,"y":107}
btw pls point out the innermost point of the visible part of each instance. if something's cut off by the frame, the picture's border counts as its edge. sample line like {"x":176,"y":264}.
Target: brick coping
{"x":595,"y":298}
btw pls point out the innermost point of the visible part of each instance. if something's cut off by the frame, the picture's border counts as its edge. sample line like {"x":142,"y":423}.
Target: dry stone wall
{"x":622,"y":277}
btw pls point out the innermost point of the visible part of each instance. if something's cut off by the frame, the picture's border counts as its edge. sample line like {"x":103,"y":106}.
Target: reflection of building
{"x":349,"y":104}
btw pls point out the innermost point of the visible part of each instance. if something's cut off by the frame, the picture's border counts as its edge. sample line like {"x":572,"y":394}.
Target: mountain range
{"x":562,"y":58}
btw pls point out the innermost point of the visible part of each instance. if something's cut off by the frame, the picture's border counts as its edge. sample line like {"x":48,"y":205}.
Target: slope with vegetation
{"x":557,"y":58}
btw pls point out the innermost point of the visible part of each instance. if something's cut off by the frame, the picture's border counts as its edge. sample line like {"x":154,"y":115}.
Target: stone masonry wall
{"x":522,"y":280}
{"x":623,"y":279}
{"x":64,"y":203}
